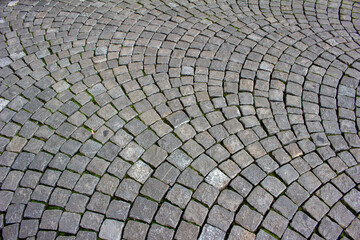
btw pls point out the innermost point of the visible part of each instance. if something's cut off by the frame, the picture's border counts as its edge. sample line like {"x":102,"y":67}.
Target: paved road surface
{"x":180,"y":119}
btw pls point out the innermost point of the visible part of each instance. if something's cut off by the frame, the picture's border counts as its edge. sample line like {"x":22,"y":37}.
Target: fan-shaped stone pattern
{"x":186,"y":119}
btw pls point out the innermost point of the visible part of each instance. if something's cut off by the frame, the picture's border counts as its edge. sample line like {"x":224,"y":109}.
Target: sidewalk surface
{"x":180,"y":119}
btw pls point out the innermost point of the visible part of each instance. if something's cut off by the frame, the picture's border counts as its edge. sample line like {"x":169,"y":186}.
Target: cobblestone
{"x":179,"y":120}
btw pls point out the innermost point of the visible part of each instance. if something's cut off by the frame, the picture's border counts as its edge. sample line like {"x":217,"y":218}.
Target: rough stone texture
{"x":206,"y":194}
{"x":230,"y":200}
{"x":111,"y":229}
{"x":353,"y":230}
{"x":275,"y":223}
{"x":91,"y":221}
{"x":179,"y":119}
{"x":135,"y":230}
{"x":210,"y":232}
{"x":353,"y":200}
{"x":285,"y":206}
{"x":179,"y":195}
{"x":118,"y":210}
{"x":329,"y":194}
{"x":260,"y":199}
{"x":69,"y":222}
{"x":187,"y":231}
{"x":316,"y":208}
{"x":240,"y":233}
{"x":168,"y":215}
{"x":329,"y":230}
{"x":220,"y":217}
{"x":303,"y":224}
{"x":341,"y":215}
{"x":160,"y":232}
{"x":248,"y":219}
{"x":217,"y":179}
{"x":143,"y":209}
{"x":140,"y":171}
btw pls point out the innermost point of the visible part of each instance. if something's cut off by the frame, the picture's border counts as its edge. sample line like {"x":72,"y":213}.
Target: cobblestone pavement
{"x":180,"y":119}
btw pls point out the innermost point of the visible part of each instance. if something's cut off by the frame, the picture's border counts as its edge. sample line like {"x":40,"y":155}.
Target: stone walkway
{"x":180,"y":119}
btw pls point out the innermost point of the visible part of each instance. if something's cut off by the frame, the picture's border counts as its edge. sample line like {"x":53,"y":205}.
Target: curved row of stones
{"x":184,"y":120}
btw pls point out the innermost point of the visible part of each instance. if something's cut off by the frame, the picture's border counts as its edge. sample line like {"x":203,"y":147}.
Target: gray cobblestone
{"x":210,"y":232}
{"x":248,"y":219}
{"x":135,"y":230}
{"x":212,"y":105}
{"x":168,"y":215}
{"x":341,"y":215}
{"x":303,"y":224}
{"x":111,"y":229}
{"x":187,"y":231}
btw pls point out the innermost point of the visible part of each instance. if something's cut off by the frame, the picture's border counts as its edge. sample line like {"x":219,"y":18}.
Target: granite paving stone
{"x":195,"y":212}
{"x":206,"y":194}
{"x":238,"y":232}
{"x":128,"y":189}
{"x":275,"y":223}
{"x":220,"y":217}
{"x":230,"y":200}
{"x":77,"y":203}
{"x":159,"y":232}
{"x":210,"y":232}
{"x":303,"y":224}
{"x":248,"y":218}
{"x":135,"y":230}
{"x":91,"y":221}
{"x":50,"y":219}
{"x":140,"y":171}
{"x":69,"y":222}
{"x":154,"y":189}
{"x":353,"y":229}
{"x":316,"y":208}
{"x":98,"y":202}
{"x":260,"y":199}
{"x":143,"y":209}
{"x":111,"y":229}
{"x":253,"y":174}
{"x":329,"y":194}
{"x":290,"y":234}
{"x":176,"y":191}
{"x":179,"y":120}
{"x":108,"y":184}
{"x":168,"y":215}
{"x":352,"y":200}
{"x":329,"y":230}
{"x":190,"y":178}
{"x":118,"y":210}
{"x":341,"y":215}
{"x":187,"y":231}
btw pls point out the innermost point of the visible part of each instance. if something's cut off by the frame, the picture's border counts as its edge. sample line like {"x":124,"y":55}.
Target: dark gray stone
{"x":329,"y":230}
{"x":220,"y":217}
{"x":187,"y":231}
{"x":135,"y":230}
{"x":98,"y":203}
{"x":303,"y":224}
{"x":260,"y":199}
{"x":275,"y":223}
{"x":91,"y":221}
{"x":168,"y":215}
{"x":28,"y":228}
{"x":143,"y":209}
{"x":69,"y":222}
{"x":179,"y":195}
{"x":248,"y":219}
{"x":154,"y":189}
